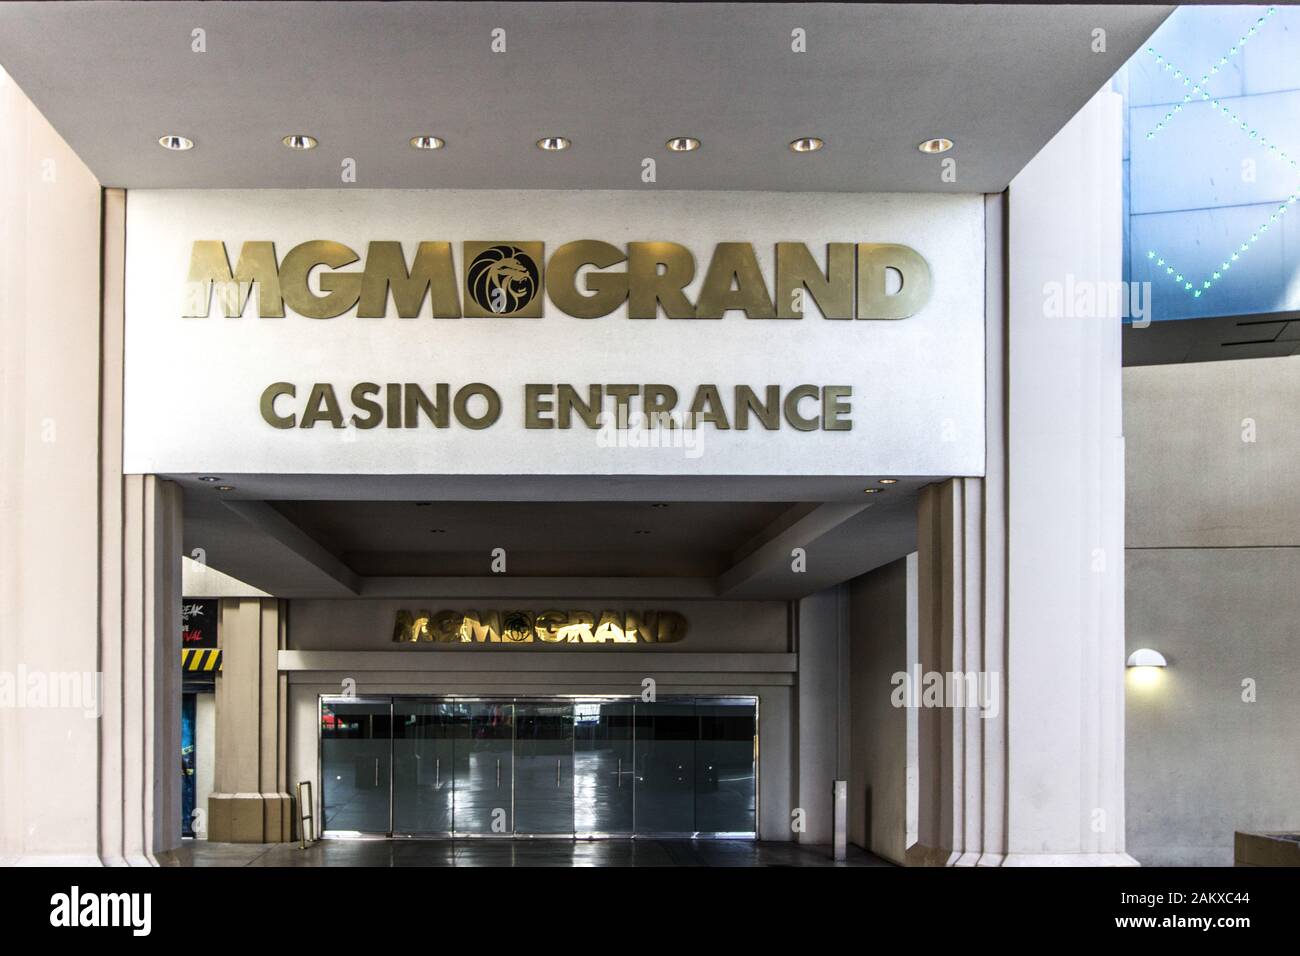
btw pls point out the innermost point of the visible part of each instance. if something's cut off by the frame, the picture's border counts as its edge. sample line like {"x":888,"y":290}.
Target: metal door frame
{"x":514,"y":731}
{"x":323,"y":699}
{"x":433,"y":834}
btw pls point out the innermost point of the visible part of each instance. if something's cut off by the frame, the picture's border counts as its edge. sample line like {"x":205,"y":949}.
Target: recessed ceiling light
{"x":437,"y":531}
{"x":683,"y":144}
{"x":208,"y":478}
{"x":178,"y":143}
{"x":807,"y":144}
{"x":553,"y":144}
{"x":659,"y":505}
{"x":889,"y":481}
{"x":640,"y":531}
{"x":872,"y":491}
{"x":936,"y":145}
{"x":427,"y":142}
{"x":225,"y":487}
{"x":299,"y":141}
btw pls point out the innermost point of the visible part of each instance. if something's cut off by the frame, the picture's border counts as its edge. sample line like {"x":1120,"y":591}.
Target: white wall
{"x":1213,"y":560}
{"x":49,"y":485}
{"x":883,"y":774}
{"x":202,"y":581}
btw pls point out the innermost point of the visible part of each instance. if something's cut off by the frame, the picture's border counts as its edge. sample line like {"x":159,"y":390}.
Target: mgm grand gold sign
{"x":542,"y":627}
{"x":506,"y":279}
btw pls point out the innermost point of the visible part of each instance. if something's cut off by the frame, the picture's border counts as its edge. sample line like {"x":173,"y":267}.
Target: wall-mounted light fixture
{"x":1146,"y":657}
{"x":1146,"y":666}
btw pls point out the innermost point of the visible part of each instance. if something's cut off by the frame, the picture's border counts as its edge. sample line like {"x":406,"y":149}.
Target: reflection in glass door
{"x":541,"y":767}
{"x":423,"y":760}
{"x":725,"y":757}
{"x":355,"y":771}
{"x":484,"y":767}
{"x":665,"y":767}
{"x":544,"y":769}
{"x":602,"y":769}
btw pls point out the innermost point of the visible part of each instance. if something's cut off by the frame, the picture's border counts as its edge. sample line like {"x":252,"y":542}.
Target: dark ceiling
{"x":599,"y":539}
{"x":337,"y":536}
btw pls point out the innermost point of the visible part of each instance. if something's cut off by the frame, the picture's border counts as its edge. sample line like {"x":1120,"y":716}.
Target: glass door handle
{"x":437,"y":773}
{"x":557,"y":772}
{"x":376,"y":771}
{"x":498,"y":773}
{"x":620,"y":773}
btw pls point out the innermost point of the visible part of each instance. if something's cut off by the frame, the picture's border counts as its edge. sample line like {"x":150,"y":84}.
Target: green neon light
{"x":1198,"y":89}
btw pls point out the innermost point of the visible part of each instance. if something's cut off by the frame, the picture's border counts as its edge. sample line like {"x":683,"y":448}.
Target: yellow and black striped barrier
{"x":200,"y":658}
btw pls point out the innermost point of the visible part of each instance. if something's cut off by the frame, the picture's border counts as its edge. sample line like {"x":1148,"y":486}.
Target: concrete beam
{"x":274,"y":525}
{"x":503,"y":587}
{"x":774,"y":554}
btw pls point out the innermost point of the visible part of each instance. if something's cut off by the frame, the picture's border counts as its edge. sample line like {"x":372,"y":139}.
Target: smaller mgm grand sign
{"x":540,"y":627}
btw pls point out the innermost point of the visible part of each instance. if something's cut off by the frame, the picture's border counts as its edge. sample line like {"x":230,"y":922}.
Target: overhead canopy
{"x":618,"y":79}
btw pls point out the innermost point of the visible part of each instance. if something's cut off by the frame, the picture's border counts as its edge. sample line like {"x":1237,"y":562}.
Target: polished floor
{"x":562,"y":853}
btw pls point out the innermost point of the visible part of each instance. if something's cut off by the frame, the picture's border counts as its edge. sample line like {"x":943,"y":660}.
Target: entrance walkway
{"x":512,"y":853}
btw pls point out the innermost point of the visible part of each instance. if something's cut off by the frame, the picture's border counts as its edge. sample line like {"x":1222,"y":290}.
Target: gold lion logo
{"x":503,"y":279}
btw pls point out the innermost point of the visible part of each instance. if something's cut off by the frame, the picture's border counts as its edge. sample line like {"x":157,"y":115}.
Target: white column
{"x":1021,"y":573}
{"x":1065,"y":505}
{"x":953,"y":764}
{"x":49,"y":563}
{"x":250,"y":802}
{"x":822,"y":709}
{"x":89,"y":560}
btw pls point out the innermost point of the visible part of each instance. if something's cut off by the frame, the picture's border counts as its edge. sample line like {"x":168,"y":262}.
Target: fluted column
{"x":250,"y":802}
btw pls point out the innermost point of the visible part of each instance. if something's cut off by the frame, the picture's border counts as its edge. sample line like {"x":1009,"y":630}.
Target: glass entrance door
{"x":726,"y":756}
{"x":666,"y":735}
{"x":603,"y":767}
{"x":544,"y":769}
{"x":558,"y":767}
{"x":424,"y":735}
{"x":484,"y":766}
{"x":356,"y":748}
